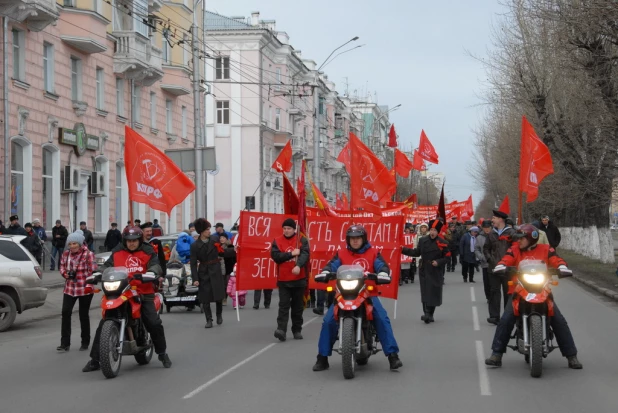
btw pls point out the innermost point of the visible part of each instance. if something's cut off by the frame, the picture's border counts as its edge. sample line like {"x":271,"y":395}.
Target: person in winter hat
{"x":231,"y":290}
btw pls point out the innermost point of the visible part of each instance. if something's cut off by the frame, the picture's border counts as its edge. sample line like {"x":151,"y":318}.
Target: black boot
{"x":321,"y":364}
{"x":494,"y":360}
{"x":91,"y":366}
{"x":574,"y":363}
{"x":219,"y":306}
{"x":165,"y":359}
{"x":318,"y":310}
{"x":208,"y":314}
{"x":280,"y":334}
{"x":393,"y":360}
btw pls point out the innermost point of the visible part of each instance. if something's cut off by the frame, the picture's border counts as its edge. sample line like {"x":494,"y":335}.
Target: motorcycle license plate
{"x":189,"y":298}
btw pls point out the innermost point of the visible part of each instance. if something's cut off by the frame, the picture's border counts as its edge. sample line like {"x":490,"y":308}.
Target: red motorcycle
{"x":123,"y":333}
{"x":353,"y":311}
{"x":533,"y":306}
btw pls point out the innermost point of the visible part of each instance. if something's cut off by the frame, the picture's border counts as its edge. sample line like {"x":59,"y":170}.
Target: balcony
{"x":137,"y":58}
{"x":154,"y":5}
{"x":82,"y":30}
{"x":37,"y":14}
{"x":299,"y":145}
{"x":326,"y":159}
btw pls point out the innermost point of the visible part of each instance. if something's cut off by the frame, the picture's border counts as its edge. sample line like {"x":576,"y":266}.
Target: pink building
{"x":70,"y":87}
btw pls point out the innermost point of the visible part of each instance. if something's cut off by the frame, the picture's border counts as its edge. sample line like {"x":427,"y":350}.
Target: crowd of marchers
{"x":489,"y":247}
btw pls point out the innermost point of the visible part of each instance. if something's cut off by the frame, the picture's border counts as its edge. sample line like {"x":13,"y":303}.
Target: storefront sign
{"x":78,"y":138}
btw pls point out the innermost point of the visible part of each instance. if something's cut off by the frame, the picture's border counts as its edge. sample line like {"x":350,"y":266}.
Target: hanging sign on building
{"x":78,"y":138}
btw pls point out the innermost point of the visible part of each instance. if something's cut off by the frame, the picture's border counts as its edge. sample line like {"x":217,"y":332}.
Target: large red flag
{"x":392,"y":137}
{"x":370,"y":180}
{"x":344,"y":157}
{"x":320,"y":201}
{"x":469,"y":208}
{"x":290,"y":199}
{"x":426,"y":149}
{"x":535,"y":163}
{"x":505,"y":206}
{"x":153,"y":178}
{"x":346,"y":203}
{"x":338,"y":202}
{"x":417,"y":162}
{"x":283,"y":163}
{"x":403,"y":166}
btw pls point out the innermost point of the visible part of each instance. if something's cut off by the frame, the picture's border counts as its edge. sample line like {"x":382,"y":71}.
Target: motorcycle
{"x":178,"y":289}
{"x":123,"y":333}
{"x":353,"y":311}
{"x":533,"y":307}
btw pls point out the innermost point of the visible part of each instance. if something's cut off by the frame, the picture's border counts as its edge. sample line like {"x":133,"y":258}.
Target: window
{"x":19,"y":55}
{"x":223,"y":68}
{"x":100,"y":89}
{"x":278,"y":79}
{"x":153,"y":110}
{"x":48,"y":185}
{"x":321,"y":106}
{"x":168,"y":116}
{"x":101,"y":203}
{"x":137,"y":103}
{"x":184,"y":122}
{"x":68,"y":3}
{"x":122,"y":195}
{"x":117,"y":13}
{"x":305,"y":133}
{"x":76,"y":78}
{"x":270,"y":117}
{"x":48,"y":67}
{"x":167,"y":51}
{"x":120,"y":96}
{"x":98,"y":6}
{"x":140,"y":8}
{"x":277,"y":119}
{"x":223,"y":112}
{"x":17,"y":179}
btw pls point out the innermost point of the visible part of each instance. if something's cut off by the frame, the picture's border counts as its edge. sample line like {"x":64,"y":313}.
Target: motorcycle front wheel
{"x":536,"y":345}
{"x":348,"y":347}
{"x":110,"y":357}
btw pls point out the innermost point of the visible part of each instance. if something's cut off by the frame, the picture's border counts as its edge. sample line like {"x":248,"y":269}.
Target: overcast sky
{"x":414,"y":55}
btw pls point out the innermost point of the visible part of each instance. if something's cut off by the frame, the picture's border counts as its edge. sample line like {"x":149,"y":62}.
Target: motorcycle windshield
{"x":350,"y":272}
{"x":115,"y":274}
{"x":532,"y":267}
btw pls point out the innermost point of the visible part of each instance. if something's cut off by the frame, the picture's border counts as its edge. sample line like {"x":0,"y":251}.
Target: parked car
{"x":168,"y":242}
{"x":21,"y":280}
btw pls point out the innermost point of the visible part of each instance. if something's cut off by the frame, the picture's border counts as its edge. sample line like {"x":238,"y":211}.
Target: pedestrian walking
{"x":59,"y":238}
{"x":77,"y":263}
{"x":113,"y":237}
{"x":467,"y":255}
{"x":552,"y":232}
{"x":434,"y":254}
{"x":291,"y":254}
{"x":453,"y":238}
{"x":480,"y":257}
{"x":231,"y":291}
{"x":207,"y":273}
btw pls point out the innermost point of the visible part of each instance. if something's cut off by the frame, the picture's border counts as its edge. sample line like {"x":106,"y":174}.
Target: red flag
{"x":412,"y":201}
{"x":469,"y":209}
{"x":290,"y":199}
{"x":392,"y":137}
{"x":505,"y":206}
{"x":344,"y":157}
{"x":390,"y":194}
{"x":339,"y":203}
{"x":426,"y":149}
{"x":370,"y":179}
{"x":153,"y":178}
{"x":346,"y":203}
{"x":403,"y":166}
{"x":535,"y":163}
{"x":283,"y":163}
{"x":417,"y":162}
{"x":321,"y":202}
{"x":441,"y":208}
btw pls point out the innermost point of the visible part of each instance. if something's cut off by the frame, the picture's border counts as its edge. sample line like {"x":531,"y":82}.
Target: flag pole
{"x":519,"y":209}
{"x":237,"y":307}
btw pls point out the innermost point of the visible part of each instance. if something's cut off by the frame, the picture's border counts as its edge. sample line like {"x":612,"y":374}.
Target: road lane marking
{"x":235,"y":367}
{"x":472,"y":295}
{"x":475,"y":318}
{"x":483,"y":378}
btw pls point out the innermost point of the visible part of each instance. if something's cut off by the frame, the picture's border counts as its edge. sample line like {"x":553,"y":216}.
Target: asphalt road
{"x":241,"y":367}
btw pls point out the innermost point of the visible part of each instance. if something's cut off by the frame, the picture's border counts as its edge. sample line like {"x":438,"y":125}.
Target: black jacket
{"x":496,"y":246}
{"x":59,"y":242}
{"x":15,"y":230}
{"x":158,"y":249}
{"x":229,"y":257}
{"x":113,"y":238}
{"x":88,"y":238}
{"x":32,"y":242}
{"x":553,"y":234}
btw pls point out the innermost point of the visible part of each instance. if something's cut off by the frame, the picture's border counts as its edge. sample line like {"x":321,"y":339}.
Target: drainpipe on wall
{"x":5,"y":87}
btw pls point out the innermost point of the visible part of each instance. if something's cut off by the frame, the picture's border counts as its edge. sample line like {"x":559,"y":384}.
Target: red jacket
{"x":281,"y":253}
{"x":140,"y":261}
{"x":541,"y":252}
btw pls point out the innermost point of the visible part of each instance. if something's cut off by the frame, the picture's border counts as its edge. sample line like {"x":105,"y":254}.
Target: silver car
{"x":21,"y":285}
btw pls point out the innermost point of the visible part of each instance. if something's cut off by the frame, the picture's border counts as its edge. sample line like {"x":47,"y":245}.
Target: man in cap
{"x":497,"y":243}
{"x":467,"y":255}
{"x":113,"y":237}
{"x":40,"y":231}
{"x":480,"y":257}
{"x":32,"y":242}
{"x":221,"y":230}
{"x":291,"y":254}
{"x":15,"y":228}
{"x":89,"y":239}
{"x":552,"y":232}
{"x":59,"y":239}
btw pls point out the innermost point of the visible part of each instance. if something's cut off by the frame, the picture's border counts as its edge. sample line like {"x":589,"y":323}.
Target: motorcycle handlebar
{"x":333,"y":276}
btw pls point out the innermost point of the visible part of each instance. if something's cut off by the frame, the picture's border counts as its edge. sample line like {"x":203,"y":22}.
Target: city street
{"x":241,"y":367}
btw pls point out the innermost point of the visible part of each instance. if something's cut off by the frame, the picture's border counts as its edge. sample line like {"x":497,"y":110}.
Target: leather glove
{"x":382,"y":276}
{"x":321,"y":277}
{"x":565,"y":271}
{"x":499,"y":269}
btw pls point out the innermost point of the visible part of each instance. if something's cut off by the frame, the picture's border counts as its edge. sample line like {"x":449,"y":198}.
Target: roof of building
{"x":215,"y":21}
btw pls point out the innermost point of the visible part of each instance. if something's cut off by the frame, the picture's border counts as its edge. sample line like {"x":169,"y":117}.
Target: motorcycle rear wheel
{"x":536,"y":346}
{"x":110,"y":358}
{"x":348,"y":348}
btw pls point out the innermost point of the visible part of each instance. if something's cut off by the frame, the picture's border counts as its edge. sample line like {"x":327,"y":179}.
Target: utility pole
{"x":316,"y":131}
{"x":197,"y":118}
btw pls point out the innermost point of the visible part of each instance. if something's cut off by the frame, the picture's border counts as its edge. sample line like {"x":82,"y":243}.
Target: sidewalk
{"x":53,"y":280}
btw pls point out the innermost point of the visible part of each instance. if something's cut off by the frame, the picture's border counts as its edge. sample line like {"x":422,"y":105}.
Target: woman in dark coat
{"x":205,"y":253}
{"x":434,"y":253}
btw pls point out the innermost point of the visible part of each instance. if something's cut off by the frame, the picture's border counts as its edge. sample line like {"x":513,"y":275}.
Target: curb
{"x":606,"y":292}
{"x":55,"y":286}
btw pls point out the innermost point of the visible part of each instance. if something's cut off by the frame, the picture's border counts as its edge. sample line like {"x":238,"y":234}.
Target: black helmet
{"x":132,"y":233}
{"x":356,"y":231}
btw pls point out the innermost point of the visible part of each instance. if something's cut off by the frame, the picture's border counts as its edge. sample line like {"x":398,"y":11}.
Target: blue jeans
{"x":558,"y":323}
{"x":330,"y":330}
{"x":55,"y":251}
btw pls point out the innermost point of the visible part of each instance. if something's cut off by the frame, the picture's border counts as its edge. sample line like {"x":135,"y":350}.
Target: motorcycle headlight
{"x":535,"y":278}
{"x":111,"y":285}
{"x":348,"y":284}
